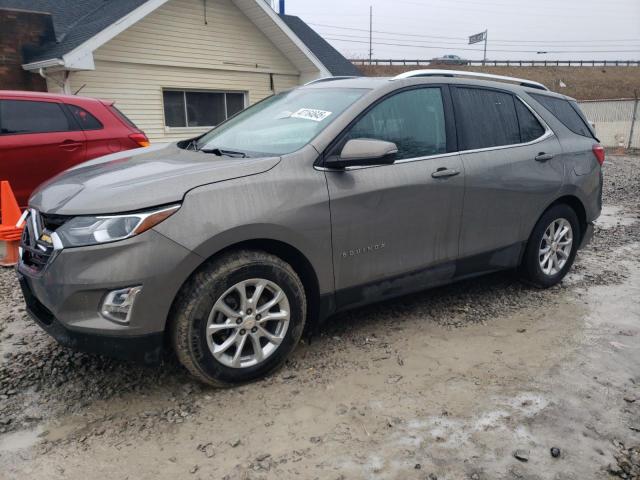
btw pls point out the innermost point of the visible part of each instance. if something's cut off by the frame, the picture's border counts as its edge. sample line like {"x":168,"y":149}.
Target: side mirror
{"x":365,"y":152}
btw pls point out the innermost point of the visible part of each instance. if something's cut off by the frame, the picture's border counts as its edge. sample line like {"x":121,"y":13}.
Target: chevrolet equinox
{"x":342,"y":192}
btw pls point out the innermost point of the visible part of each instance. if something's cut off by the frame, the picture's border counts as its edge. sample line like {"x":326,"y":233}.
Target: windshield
{"x":282,"y":123}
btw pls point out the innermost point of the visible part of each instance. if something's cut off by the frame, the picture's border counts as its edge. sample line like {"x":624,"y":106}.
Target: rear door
{"x":38,"y":139}
{"x":513,"y":168}
{"x":398,"y":223}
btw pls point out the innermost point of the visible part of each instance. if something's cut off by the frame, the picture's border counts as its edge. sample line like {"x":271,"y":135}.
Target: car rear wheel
{"x":238,"y":318}
{"x":552,"y":247}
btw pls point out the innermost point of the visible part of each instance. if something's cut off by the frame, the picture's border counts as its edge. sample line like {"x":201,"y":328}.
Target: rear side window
{"x":123,"y":117}
{"x":84,"y":118}
{"x":530,"y":127}
{"x":413,"y":120}
{"x":565,"y":112}
{"x":24,"y":116}
{"x":485,"y":118}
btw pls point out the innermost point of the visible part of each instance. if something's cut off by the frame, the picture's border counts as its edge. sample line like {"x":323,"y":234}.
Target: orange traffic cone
{"x":9,"y":232}
{"x":8,"y":205}
{"x":9,"y":253}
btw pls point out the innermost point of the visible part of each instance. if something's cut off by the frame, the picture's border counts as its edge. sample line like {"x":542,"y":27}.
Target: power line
{"x":537,"y":42}
{"x":502,"y":10}
{"x":380,"y":31}
{"x":444,"y":42}
{"x":479,"y":50}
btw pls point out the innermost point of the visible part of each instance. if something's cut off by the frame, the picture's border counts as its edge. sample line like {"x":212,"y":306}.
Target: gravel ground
{"x":55,"y":403}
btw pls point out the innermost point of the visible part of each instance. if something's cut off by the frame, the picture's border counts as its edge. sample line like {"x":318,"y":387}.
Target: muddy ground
{"x":454,"y":383}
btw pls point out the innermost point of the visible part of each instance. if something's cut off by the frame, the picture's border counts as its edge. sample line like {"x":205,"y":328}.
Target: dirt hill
{"x":582,"y":83}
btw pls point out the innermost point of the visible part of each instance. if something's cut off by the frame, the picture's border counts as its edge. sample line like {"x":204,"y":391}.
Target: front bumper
{"x":66,"y":295}
{"x":145,"y":349}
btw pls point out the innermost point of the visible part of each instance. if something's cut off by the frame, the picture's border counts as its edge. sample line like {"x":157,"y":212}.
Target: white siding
{"x":173,"y":48}
{"x":176,"y":34}
{"x":137,"y":90}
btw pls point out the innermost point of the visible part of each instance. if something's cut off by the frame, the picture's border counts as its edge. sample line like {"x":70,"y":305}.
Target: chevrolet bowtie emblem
{"x":46,"y":238}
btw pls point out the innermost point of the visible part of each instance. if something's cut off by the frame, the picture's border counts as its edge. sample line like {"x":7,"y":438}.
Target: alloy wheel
{"x":248,"y":323}
{"x":555,"y":246}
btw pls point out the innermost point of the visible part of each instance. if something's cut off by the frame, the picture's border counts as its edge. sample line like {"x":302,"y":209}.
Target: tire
{"x":201,"y":306}
{"x":532,"y":270}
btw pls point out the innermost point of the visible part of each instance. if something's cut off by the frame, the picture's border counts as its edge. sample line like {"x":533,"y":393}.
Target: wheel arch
{"x":281,"y":249}
{"x":572,"y":201}
{"x":576,"y":204}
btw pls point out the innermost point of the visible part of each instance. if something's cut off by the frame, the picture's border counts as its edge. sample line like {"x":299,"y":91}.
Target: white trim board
{"x":81,"y":57}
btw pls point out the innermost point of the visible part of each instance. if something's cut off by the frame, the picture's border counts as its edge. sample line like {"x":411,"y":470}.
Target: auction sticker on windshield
{"x":311,"y":114}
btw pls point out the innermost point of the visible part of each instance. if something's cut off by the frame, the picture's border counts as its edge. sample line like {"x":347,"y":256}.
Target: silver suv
{"x":225,"y":248}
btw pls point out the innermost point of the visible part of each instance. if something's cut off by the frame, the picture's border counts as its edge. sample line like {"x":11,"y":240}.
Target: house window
{"x":186,"y":108}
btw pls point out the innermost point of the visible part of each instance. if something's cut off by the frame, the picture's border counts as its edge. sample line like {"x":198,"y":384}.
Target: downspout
{"x":65,"y":84}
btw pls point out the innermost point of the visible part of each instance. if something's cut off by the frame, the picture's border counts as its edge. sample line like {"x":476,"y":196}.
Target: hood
{"x":139,"y":179}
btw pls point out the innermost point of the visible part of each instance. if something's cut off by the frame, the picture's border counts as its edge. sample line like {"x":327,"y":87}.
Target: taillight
{"x":140,"y":138}
{"x":598,"y":152}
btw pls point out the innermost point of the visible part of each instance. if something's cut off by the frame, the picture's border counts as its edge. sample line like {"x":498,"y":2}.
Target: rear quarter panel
{"x":112,"y":138}
{"x":582,"y":173}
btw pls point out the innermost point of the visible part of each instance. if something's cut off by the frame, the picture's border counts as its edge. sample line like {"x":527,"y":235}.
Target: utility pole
{"x":370,"y":33}
{"x":486,"y":34}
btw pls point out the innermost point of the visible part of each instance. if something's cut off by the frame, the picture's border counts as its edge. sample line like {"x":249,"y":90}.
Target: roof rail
{"x":329,"y":79}
{"x":460,"y":73}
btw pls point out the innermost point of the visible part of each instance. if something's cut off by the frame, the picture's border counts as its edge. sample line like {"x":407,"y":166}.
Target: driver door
{"x":396,"y":227}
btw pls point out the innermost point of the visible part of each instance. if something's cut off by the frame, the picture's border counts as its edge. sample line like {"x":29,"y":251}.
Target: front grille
{"x":36,"y":253}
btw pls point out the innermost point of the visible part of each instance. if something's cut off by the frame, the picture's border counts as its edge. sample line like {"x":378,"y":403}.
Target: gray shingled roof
{"x":329,"y":56}
{"x":74,"y":21}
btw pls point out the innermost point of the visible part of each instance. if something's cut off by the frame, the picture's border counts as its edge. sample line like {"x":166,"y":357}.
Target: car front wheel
{"x":238,"y":318}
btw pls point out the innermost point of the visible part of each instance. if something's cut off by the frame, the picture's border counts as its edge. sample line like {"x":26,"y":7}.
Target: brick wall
{"x":20,"y":30}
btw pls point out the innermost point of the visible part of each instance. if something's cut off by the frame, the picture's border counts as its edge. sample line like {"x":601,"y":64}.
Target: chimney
{"x":281,"y":9}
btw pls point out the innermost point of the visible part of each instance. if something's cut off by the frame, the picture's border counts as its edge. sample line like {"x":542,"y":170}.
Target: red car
{"x":42,"y":134}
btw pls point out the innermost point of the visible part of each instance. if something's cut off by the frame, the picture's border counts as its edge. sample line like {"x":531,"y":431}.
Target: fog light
{"x":117,"y":304}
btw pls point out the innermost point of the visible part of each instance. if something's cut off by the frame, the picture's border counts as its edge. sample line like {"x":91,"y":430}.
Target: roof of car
{"x":379,"y":82}
{"x":45,"y":96}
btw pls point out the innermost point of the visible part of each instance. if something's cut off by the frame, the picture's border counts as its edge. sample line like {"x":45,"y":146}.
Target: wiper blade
{"x":220,"y":152}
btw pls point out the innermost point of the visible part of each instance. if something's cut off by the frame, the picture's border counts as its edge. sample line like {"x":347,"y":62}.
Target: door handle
{"x":70,"y":145}
{"x":543,"y":157}
{"x":443,"y":172}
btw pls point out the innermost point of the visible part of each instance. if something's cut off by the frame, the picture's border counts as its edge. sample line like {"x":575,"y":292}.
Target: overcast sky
{"x":518,"y":29}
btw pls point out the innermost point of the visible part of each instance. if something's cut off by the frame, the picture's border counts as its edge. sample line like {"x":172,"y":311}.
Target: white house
{"x":177,"y":67}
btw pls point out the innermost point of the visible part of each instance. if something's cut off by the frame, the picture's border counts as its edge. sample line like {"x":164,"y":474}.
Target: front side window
{"x":530,"y":127}
{"x":282,"y":123}
{"x":413,"y":120}
{"x":25,"y":116}
{"x":200,"y":109}
{"x":485,"y":118}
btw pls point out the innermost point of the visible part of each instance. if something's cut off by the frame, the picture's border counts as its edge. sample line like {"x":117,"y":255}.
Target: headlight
{"x":91,"y":230}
